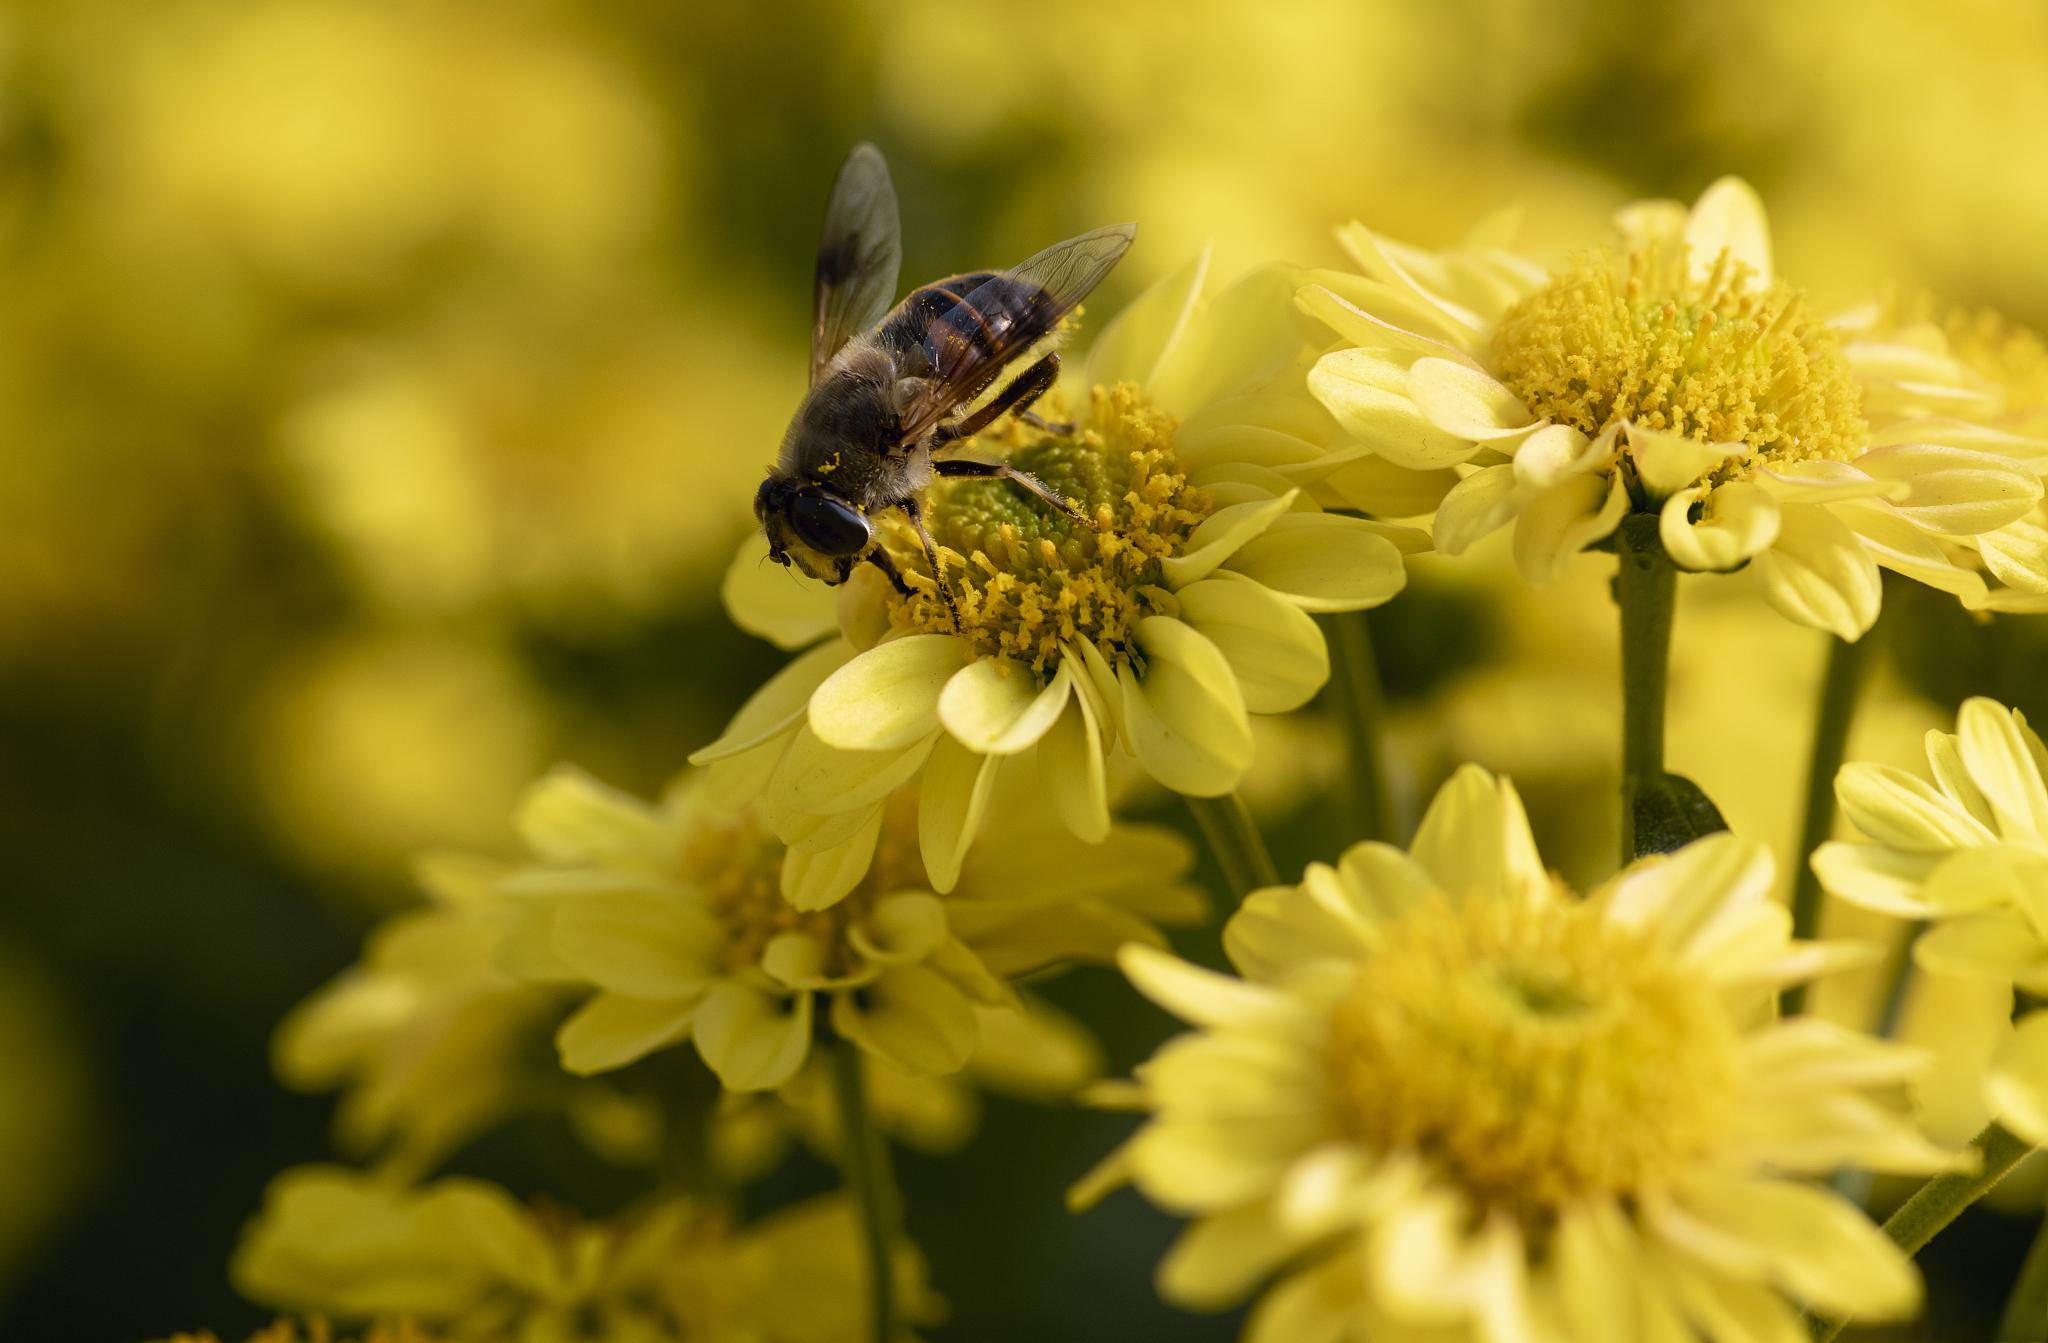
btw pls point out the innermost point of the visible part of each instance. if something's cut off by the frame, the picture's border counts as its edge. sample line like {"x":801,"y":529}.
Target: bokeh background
{"x":382,"y":386}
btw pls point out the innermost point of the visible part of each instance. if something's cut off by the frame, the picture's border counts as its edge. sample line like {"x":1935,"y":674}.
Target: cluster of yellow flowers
{"x":1437,"y":1094}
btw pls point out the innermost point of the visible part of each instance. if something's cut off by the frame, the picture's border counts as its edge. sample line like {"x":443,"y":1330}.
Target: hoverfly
{"x":890,"y":387}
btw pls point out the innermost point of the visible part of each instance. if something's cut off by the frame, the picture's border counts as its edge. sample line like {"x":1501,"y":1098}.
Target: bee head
{"x":808,"y":524}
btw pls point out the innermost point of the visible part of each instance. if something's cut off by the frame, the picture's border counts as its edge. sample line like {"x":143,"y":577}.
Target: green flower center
{"x":1026,"y":578}
{"x":1533,"y":1053}
{"x":1715,"y":357}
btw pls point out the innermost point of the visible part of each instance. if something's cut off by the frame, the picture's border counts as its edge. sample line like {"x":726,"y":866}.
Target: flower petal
{"x":1323,"y":562}
{"x":1217,"y":537}
{"x":1479,"y":505}
{"x":1820,"y":1246}
{"x":995,"y":706}
{"x":753,"y":1040}
{"x":1475,"y":840}
{"x":1667,"y":463}
{"x":2017,"y":1084}
{"x":914,"y":1017}
{"x":2004,"y":760}
{"x":1739,"y":521}
{"x":1563,"y":520}
{"x":1955,"y":491}
{"x":1073,"y":773}
{"x":1185,"y":716}
{"x":1272,"y":646}
{"x":1131,"y":346}
{"x":1466,"y":403}
{"x":612,"y":1030}
{"x":644,"y":944}
{"x":778,"y":705}
{"x":1818,"y":573}
{"x":1368,"y":393}
{"x":951,"y":802}
{"x":888,"y":697}
{"x":820,"y":875}
{"x":570,"y":817}
{"x":775,"y":602}
{"x":1197,"y":996}
{"x":1729,"y":216}
{"x":1219,"y":1259}
{"x":1902,"y":811}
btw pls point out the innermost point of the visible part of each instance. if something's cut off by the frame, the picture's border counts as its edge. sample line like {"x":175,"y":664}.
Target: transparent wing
{"x":970,"y":340}
{"x":858,"y":256}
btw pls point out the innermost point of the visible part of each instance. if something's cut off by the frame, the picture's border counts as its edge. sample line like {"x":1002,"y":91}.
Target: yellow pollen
{"x":1534,"y":1054}
{"x":1718,"y":358}
{"x":1026,"y":577}
{"x":737,"y":865}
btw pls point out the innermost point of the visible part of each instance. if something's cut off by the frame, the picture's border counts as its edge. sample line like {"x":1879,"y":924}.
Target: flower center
{"x":1717,"y":357}
{"x":1026,"y":578}
{"x":736,"y":862}
{"x":1535,"y":1054}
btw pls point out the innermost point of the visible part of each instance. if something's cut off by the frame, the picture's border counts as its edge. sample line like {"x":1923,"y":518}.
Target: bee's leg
{"x":914,"y":510}
{"x":961,"y":466}
{"x":1025,"y":388}
{"x":1060,"y":428}
{"x":880,"y":559}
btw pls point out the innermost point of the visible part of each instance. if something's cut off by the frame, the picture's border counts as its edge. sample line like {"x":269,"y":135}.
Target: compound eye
{"x":827,"y":525}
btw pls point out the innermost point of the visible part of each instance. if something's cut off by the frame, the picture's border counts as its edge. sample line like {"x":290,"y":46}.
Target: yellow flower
{"x":468,"y":1261}
{"x":1446,"y":1093}
{"x":1158,"y":634}
{"x":426,"y":1034}
{"x":1972,"y":382}
{"x":1679,"y":377}
{"x":685,"y":919}
{"x":1968,"y":853}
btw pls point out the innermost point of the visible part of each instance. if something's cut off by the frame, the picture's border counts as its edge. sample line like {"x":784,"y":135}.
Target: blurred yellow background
{"x":382,"y":387}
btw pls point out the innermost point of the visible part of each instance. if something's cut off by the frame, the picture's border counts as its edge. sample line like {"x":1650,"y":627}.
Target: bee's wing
{"x":969,"y":342}
{"x":858,"y":256}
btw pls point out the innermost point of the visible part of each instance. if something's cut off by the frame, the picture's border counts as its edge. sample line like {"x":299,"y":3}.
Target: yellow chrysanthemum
{"x":1448,"y":1099}
{"x":1973,"y":382}
{"x":467,"y":1261}
{"x":692,"y":922}
{"x":1678,"y":376}
{"x":1159,"y":632}
{"x":1968,"y":853}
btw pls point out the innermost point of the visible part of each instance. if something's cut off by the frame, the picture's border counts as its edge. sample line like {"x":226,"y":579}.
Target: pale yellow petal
{"x":1323,"y":562}
{"x":612,"y":1030}
{"x":888,"y":697}
{"x":1729,"y":216}
{"x":1876,"y":878}
{"x":912,"y":1016}
{"x":1072,"y":771}
{"x":2005,"y":766}
{"x":1819,"y":1246}
{"x":1464,"y":402}
{"x":819,"y":875}
{"x":995,"y":706}
{"x":1737,"y":522}
{"x":778,"y":705}
{"x":645,"y":944}
{"x":1217,"y":1261}
{"x":1197,"y":996}
{"x":1901,"y":811}
{"x":1818,"y":573}
{"x":1272,"y":646}
{"x":1955,"y":491}
{"x":1563,"y":520}
{"x":1369,"y":396}
{"x":570,"y":817}
{"x":1667,"y":463}
{"x":951,"y":802}
{"x":1481,"y":504}
{"x":1220,"y":535}
{"x":1185,"y":716}
{"x":753,"y":1040}
{"x":773,"y":601}
{"x":2017,"y":1084}
{"x":1474,"y":840}
{"x":1318,"y":1304}
{"x":1132,"y":344}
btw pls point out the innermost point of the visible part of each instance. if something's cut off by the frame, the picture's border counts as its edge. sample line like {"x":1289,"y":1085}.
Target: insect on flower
{"x":892,"y":386}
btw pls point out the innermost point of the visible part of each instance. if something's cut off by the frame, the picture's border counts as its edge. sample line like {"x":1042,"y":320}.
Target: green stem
{"x":864,"y":1164}
{"x":1235,"y":840}
{"x":1940,"y":1201}
{"x":1355,"y":685}
{"x":2026,"y":1310}
{"x":1646,"y":590}
{"x":1838,"y":694}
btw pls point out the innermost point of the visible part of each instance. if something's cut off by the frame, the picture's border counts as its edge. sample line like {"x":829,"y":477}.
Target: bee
{"x":893,"y":387}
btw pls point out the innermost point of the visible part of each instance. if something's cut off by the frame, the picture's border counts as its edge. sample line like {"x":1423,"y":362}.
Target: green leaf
{"x":1670,"y":812}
